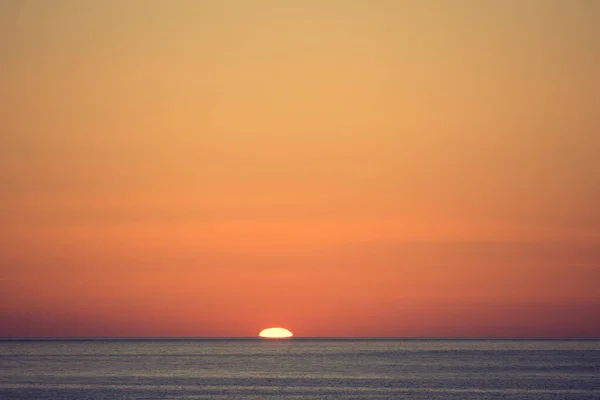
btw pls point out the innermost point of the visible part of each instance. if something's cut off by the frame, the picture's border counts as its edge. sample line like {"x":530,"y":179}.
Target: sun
{"x":275,"y":333}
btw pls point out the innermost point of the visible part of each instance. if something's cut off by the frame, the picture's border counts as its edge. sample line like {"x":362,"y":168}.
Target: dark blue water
{"x":300,"y":369}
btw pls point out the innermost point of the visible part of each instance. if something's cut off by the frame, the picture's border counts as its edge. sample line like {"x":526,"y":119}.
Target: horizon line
{"x":91,"y":338}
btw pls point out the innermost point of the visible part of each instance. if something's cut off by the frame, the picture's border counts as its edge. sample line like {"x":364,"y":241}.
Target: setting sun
{"x":275,"y":333}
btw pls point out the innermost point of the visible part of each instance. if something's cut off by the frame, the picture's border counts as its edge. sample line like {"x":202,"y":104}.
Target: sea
{"x":299,"y":368}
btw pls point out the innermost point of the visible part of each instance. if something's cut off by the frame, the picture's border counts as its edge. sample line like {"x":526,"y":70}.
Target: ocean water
{"x":299,"y":369}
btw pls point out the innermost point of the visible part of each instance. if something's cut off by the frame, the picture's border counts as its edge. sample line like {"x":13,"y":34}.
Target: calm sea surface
{"x":300,"y":369}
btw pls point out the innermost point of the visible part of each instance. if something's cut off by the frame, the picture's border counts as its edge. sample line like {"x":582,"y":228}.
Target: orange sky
{"x":339,"y":168}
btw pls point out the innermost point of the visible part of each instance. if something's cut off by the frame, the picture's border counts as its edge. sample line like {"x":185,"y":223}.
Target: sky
{"x":337,"y":168}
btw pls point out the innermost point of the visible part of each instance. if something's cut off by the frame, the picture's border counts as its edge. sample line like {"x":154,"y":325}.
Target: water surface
{"x":299,"y":369}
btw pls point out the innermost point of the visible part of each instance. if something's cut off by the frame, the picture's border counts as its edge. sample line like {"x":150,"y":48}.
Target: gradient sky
{"x":339,"y":168}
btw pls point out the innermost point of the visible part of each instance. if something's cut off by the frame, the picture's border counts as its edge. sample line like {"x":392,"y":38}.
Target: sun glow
{"x":275,"y":333}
